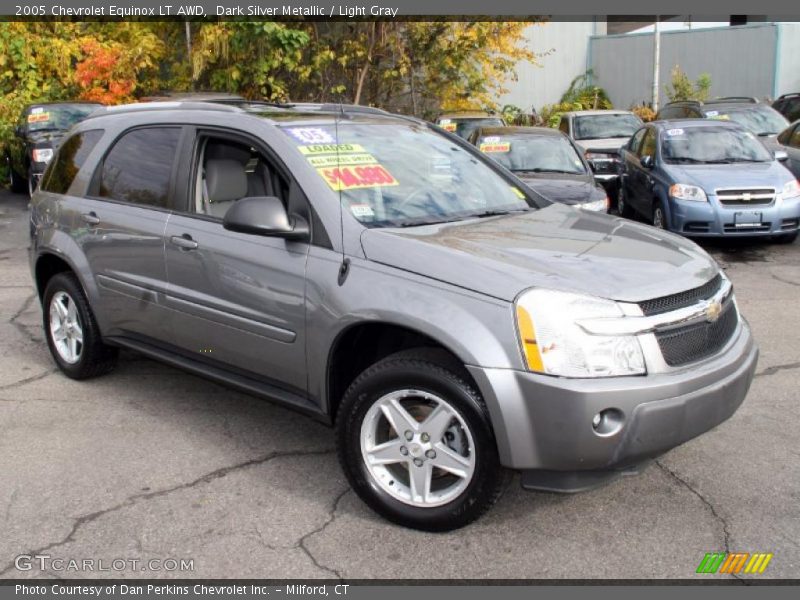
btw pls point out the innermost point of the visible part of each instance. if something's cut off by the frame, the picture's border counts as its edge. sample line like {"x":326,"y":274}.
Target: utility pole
{"x":656,"y":62}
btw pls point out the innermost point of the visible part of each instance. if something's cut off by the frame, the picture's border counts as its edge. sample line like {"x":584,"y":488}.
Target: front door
{"x":238,"y":299}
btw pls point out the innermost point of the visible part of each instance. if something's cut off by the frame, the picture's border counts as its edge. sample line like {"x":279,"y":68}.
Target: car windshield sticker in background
{"x":517,"y":191}
{"x":347,"y":166}
{"x":674,"y":132}
{"x":719,"y":117}
{"x":495,"y":146}
{"x":38,"y":116}
{"x":447,"y":125}
{"x":712,"y":113}
{"x":311,"y":135}
{"x":362,"y":210}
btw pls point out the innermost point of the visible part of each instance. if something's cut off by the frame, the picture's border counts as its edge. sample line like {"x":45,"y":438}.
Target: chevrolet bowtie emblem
{"x":713,"y":311}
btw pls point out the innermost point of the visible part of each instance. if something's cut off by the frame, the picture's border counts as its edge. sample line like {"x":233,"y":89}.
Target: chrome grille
{"x":682,"y":299}
{"x":690,"y":343}
{"x":745,"y":196}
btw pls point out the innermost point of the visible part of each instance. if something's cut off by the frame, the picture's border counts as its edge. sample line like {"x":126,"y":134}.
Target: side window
{"x":636,"y":140}
{"x":69,"y":160}
{"x":138,"y":169}
{"x":785,"y":136}
{"x":564,"y":125}
{"x":229,"y":170}
{"x":648,"y":147}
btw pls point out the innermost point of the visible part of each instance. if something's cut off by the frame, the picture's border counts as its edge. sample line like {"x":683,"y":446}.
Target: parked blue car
{"x":708,"y":178}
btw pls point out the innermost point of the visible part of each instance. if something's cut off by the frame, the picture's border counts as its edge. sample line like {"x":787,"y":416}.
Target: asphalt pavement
{"x":152,"y":464}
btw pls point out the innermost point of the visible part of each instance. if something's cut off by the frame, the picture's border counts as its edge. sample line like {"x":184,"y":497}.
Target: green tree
{"x":681,"y":87}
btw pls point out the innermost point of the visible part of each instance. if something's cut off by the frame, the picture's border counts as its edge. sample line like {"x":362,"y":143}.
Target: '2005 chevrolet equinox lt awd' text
{"x":384,"y":276}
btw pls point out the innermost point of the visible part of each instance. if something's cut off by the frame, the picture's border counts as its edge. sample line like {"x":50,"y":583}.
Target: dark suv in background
{"x":788,"y":105}
{"x":761,"y":119}
{"x":38,"y":133}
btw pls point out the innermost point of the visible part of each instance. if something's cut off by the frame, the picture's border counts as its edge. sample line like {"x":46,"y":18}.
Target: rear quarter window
{"x":69,"y":160}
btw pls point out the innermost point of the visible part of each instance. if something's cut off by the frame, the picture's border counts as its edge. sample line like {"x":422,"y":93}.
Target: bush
{"x":644,"y":112}
{"x":682,"y":88}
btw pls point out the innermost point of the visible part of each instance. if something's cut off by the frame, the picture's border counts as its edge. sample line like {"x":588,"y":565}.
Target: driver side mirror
{"x":781,"y":155}
{"x":264,"y":215}
{"x":647,"y":161}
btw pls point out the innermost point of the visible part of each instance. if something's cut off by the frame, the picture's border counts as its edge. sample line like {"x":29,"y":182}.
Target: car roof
{"x":586,"y":113}
{"x":468,"y":114}
{"x":278,"y":114}
{"x":514,"y":129}
{"x":63,"y":103}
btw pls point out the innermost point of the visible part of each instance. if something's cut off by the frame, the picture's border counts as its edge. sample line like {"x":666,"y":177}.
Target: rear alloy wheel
{"x":659,"y":218}
{"x":71,"y":330}
{"x":416,"y":444}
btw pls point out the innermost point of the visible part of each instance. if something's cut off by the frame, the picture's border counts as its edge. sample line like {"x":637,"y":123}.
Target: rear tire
{"x":72,"y":332}
{"x":415,"y":417}
{"x":622,"y":203}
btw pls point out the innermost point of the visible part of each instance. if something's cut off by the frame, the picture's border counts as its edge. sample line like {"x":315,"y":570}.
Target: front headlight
{"x":552,"y":342}
{"x":42,"y":154}
{"x":595,"y":205}
{"x":791,"y":189}
{"x":682,"y":191}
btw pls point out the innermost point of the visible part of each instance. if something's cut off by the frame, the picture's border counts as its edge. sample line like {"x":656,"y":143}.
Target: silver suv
{"x":386,"y":278}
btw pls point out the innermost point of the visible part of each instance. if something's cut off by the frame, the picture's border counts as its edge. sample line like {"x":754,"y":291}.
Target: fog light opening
{"x":608,"y":422}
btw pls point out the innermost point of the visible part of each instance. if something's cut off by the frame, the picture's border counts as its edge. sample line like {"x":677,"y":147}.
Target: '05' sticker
{"x":357,"y":177}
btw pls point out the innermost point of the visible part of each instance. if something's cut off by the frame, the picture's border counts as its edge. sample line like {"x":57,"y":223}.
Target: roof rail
{"x":789,"y":95}
{"x":152,"y":106}
{"x":743,"y":99}
{"x":692,"y":102}
{"x":313,"y":106}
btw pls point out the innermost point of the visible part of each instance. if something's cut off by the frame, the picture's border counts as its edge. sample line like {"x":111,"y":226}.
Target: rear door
{"x":122,"y":222}
{"x":238,"y":299}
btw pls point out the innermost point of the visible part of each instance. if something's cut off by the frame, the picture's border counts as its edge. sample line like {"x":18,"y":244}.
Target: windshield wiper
{"x":495,"y":213}
{"x":546,"y":171}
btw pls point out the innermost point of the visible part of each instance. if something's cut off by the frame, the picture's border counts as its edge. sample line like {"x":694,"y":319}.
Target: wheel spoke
{"x":61,"y":309}
{"x":73,"y":348}
{"x":437,"y":422}
{"x":452,"y":462}
{"x":77,"y":333}
{"x":420,"y":478}
{"x":386,"y":453}
{"x":58,"y":332}
{"x":398,"y":417}
{"x":71,"y":314}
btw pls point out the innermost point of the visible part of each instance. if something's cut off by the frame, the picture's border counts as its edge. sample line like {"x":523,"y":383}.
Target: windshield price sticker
{"x":357,"y":177}
{"x":496,"y":147}
{"x":362,"y":210}
{"x":674,"y":132}
{"x":330,"y":149}
{"x":718,"y":117}
{"x":334,"y":160}
{"x":311,"y":135}
{"x":38,"y":117}
{"x":449,"y":126}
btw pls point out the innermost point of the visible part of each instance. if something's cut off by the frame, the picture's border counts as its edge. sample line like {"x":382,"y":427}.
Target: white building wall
{"x":561,"y":47}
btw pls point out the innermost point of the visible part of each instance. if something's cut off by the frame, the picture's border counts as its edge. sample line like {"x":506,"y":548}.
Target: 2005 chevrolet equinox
{"x":382,"y":275}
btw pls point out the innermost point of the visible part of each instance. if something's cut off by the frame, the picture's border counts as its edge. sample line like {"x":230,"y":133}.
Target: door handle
{"x":90,"y":218}
{"x":184,"y":241}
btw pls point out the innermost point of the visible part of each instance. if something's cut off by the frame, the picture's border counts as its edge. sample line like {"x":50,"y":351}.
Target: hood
{"x":568,"y":189}
{"x":557,"y":247}
{"x":602,"y":144}
{"x":50,"y":137}
{"x":710,"y":177}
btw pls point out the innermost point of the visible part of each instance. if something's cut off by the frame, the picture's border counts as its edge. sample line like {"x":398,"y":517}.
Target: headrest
{"x":226,"y":180}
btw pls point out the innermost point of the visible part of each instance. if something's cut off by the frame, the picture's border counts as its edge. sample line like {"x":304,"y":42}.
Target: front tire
{"x":72,"y":332}
{"x":659,"y":216}
{"x":415,"y":441}
{"x":622,"y":203}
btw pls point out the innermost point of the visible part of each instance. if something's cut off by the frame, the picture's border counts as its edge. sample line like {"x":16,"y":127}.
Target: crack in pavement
{"x":26,"y":381}
{"x":726,"y":534}
{"x":776,"y":368}
{"x":83,"y":520}
{"x":782,"y":280}
{"x":331,"y":518}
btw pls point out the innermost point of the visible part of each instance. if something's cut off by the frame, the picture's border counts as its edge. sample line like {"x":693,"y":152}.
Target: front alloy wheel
{"x":659,"y":219}
{"x":415,"y":441}
{"x":417,"y":448}
{"x":65,"y":328}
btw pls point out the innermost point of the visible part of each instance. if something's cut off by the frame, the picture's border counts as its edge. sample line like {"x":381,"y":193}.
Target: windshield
{"x":601,"y":126}
{"x":57,"y":116}
{"x":761,"y":120}
{"x":712,"y":145}
{"x":465,"y":126}
{"x":404,"y":174}
{"x":537,"y":153}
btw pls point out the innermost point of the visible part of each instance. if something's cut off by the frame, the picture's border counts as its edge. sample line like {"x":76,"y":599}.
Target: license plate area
{"x":747,"y":218}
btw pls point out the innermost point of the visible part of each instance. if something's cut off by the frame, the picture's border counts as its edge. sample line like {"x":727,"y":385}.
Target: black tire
{"x":786,"y":238}
{"x":435,"y":372}
{"x":96,"y":358}
{"x":659,"y":216}
{"x":18,"y":184}
{"x":623,"y":208}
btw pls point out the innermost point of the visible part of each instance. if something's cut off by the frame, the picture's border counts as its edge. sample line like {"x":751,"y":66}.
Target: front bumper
{"x":712,"y":219}
{"x":545,"y":423}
